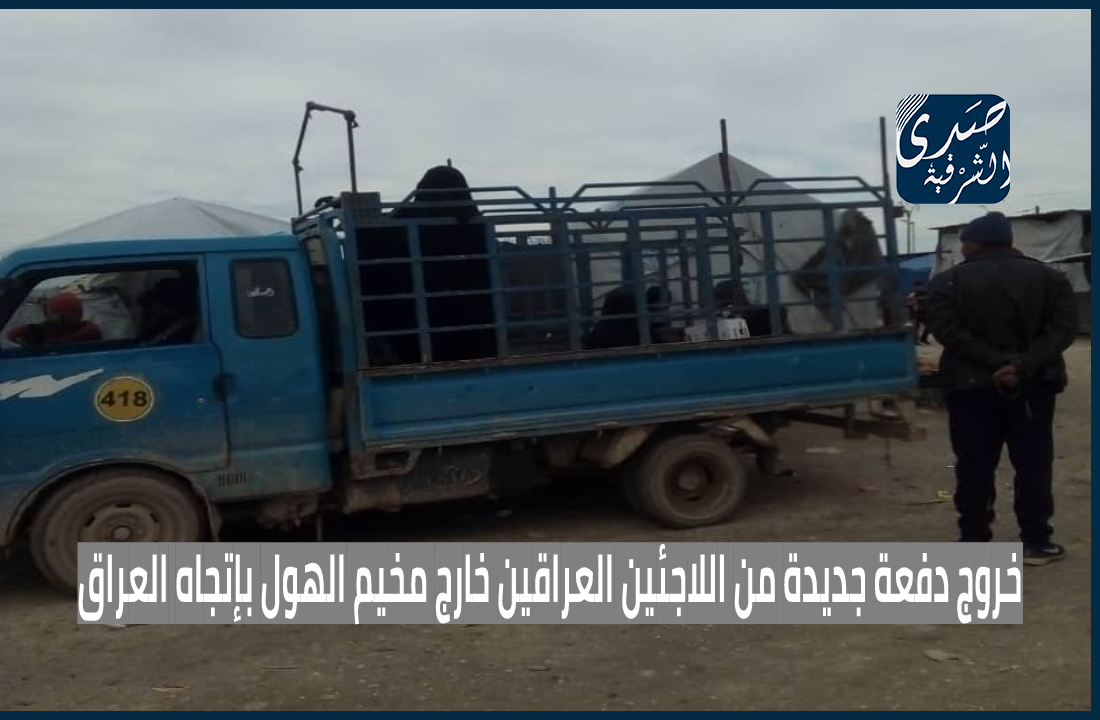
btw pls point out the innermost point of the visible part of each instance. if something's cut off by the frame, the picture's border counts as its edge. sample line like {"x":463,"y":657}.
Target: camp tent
{"x":108,"y":297}
{"x":173,"y":218}
{"x":915,"y":268}
{"x":1058,"y":237}
{"x":862,"y":309}
{"x":1047,"y":236}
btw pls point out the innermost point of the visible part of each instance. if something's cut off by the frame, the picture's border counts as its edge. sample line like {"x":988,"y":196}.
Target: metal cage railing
{"x":538,"y":275}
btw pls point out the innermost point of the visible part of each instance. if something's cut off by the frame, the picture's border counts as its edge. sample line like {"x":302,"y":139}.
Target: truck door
{"x":272,"y":383}
{"x":100,"y":394}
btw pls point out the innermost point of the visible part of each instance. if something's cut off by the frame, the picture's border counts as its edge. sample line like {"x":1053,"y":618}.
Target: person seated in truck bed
{"x":442,"y":194}
{"x":64,"y":324}
{"x":730,"y":296}
{"x":616,"y":332}
{"x":859,"y":264}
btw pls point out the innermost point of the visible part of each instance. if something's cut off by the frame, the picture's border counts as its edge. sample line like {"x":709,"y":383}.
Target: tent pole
{"x":724,"y":162}
{"x":889,"y":215}
{"x":882,"y":151}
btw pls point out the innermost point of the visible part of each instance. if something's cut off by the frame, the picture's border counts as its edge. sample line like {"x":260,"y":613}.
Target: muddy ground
{"x":48,"y":662}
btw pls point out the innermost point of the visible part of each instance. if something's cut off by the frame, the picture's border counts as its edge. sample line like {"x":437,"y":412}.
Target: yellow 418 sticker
{"x":124,"y":399}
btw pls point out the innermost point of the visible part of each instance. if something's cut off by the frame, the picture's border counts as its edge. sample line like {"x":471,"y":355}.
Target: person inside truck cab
{"x":64,"y":324}
{"x":169,"y":313}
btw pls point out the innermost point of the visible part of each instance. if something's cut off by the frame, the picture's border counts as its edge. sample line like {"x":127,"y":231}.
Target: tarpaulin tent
{"x":1051,"y":237}
{"x":173,"y":218}
{"x":862,"y":309}
{"x":915,"y":269}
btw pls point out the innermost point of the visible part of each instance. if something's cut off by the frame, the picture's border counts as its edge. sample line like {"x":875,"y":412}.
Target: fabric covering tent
{"x":1046,"y":236}
{"x":108,"y":297}
{"x":862,"y":308}
{"x":174,"y":218}
{"x":915,"y":269}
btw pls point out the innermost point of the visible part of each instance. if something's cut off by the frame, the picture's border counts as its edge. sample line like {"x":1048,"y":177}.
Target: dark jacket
{"x":999,"y":308}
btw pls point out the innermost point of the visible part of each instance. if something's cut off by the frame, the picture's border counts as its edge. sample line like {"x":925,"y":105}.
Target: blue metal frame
{"x":567,"y":223}
{"x":430,"y":404}
{"x":482,"y":404}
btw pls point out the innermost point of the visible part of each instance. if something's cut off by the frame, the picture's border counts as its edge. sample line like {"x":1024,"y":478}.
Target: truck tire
{"x":689,"y":481}
{"x":630,"y":491}
{"x":111,"y":505}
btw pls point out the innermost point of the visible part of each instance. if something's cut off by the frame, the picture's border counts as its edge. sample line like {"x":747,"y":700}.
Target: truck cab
{"x":233,"y":407}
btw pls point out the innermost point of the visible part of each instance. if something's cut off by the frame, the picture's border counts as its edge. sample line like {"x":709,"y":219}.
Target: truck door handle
{"x":222,"y":383}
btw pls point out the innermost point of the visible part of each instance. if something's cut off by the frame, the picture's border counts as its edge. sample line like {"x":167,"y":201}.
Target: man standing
{"x":1004,"y":321}
{"x":917,"y":302}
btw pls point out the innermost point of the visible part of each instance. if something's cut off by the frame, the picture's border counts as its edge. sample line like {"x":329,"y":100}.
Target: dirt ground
{"x":48,"y":662}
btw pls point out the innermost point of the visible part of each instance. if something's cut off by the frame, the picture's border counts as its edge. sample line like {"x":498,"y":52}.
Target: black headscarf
{"x":441,"y":184}
{"x":857,"y":246}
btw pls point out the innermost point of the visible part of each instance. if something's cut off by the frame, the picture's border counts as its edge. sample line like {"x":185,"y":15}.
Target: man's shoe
{"x":1043,"y":554}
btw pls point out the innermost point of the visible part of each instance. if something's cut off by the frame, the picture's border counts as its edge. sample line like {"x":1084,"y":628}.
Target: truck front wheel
{"x":688,"y":481}
{"x":111,"y":505}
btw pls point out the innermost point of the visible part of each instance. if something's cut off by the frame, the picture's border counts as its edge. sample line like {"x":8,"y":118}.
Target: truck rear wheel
{"x":111,"y":505}
{"x":630,"y":491}
{"x":689,"y":481}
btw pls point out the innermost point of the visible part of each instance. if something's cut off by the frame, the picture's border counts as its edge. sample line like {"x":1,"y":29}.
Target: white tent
{"x":862,"y":310}
{"x":174,"y":218}
{"x":1064,"y":235}
{"x":108,"y":297}
{"x":168,"y":219}
{"x":1046,"y":237}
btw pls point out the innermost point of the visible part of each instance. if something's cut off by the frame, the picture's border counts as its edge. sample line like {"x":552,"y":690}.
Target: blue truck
{"x":448,"y":345}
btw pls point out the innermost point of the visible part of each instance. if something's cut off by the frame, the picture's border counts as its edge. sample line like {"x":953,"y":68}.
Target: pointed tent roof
{"x":176,"y":218}
{"x":787,"y":225}
{"x":708,"y":173}
{"x":170,"y":219}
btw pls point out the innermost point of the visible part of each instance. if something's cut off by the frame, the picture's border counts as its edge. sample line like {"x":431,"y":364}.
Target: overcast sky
{"x":103,"y":111}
